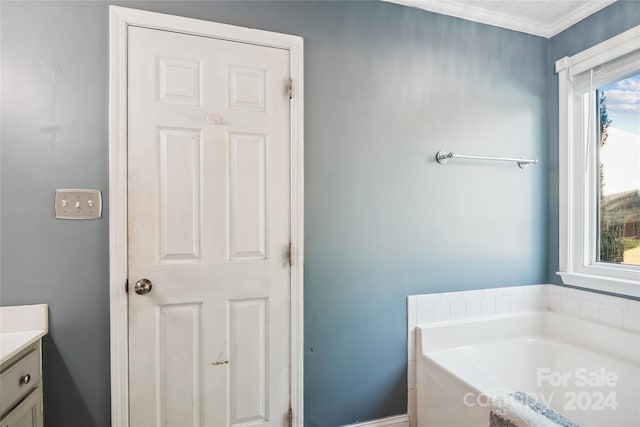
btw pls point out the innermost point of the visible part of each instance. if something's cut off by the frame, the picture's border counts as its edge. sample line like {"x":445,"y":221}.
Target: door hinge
{"x":290,"y":88}
{"x":290,"y":417}
{"x":126,"y":286}
{"x":291,"y":253}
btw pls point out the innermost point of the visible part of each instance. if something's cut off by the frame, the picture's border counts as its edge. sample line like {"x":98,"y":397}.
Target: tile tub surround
{"x":430,"y":308}
{"x":604,"y":309}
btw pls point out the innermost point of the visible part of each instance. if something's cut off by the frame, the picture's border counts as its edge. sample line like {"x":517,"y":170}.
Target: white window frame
{"x":578,"y":201}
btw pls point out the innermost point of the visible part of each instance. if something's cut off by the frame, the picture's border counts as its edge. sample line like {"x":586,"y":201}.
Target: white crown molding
{"x":588,"y":9}
{"x":477,"y":14}
{"x":510,"y":22}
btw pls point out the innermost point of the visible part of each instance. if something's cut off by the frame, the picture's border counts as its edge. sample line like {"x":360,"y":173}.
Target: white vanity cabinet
{"x":21,"y":389}
{"x":21,"y":332}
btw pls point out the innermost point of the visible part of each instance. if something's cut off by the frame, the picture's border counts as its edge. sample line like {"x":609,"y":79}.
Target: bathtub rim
{"x":607,"y":340}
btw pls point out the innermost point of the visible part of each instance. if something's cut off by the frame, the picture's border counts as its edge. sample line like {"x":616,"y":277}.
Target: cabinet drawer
{"x":18,"y":379}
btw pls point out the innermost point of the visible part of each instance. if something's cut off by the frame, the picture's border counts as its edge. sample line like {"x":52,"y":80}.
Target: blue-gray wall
{"x":386,"y":87}
{"x":610,"y":21}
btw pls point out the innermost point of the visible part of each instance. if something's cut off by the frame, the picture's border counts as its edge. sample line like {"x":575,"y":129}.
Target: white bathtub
{"x":587,"y":371}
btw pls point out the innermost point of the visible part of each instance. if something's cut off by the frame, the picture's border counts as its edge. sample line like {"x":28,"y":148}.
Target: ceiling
{"x":544,"y":18}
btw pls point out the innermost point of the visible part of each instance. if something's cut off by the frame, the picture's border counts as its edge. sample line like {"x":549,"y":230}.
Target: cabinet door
{"x":28,"y":413}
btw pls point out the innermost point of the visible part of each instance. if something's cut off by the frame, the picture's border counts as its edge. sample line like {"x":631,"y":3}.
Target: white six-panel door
{"x":209,"y":227}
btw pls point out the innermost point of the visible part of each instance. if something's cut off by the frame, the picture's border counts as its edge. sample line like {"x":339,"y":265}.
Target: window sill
{"x":602,"y":283}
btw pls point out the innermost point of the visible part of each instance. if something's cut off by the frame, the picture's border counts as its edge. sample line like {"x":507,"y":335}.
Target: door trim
{"x":120,"y":19}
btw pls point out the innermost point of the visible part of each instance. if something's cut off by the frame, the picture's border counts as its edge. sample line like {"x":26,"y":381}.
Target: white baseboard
{"x":395,"y":421}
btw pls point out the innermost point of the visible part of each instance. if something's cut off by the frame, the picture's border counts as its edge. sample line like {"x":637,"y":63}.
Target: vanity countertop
{"x":21,"y":326}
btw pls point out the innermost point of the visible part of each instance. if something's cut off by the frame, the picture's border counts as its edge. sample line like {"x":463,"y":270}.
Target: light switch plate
{"x":78,"y":204}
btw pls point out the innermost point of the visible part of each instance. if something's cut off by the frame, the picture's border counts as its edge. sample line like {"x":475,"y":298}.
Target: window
{"x":618,"y":161}
{"x":600,"y":166}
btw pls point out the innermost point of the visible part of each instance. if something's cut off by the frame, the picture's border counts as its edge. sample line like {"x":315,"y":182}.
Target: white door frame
{"x":119,"y":20}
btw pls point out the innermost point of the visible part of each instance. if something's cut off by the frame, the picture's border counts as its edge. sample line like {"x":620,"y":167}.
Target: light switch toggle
{"x":78,"y":204}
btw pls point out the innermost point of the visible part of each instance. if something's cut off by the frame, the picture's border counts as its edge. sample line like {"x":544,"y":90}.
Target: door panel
{"x":247,"y":192}
{"x":248,"y":376}
{"x":180,"y":196}
{"x":209,"y":226}
{"x":178,"y":352}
